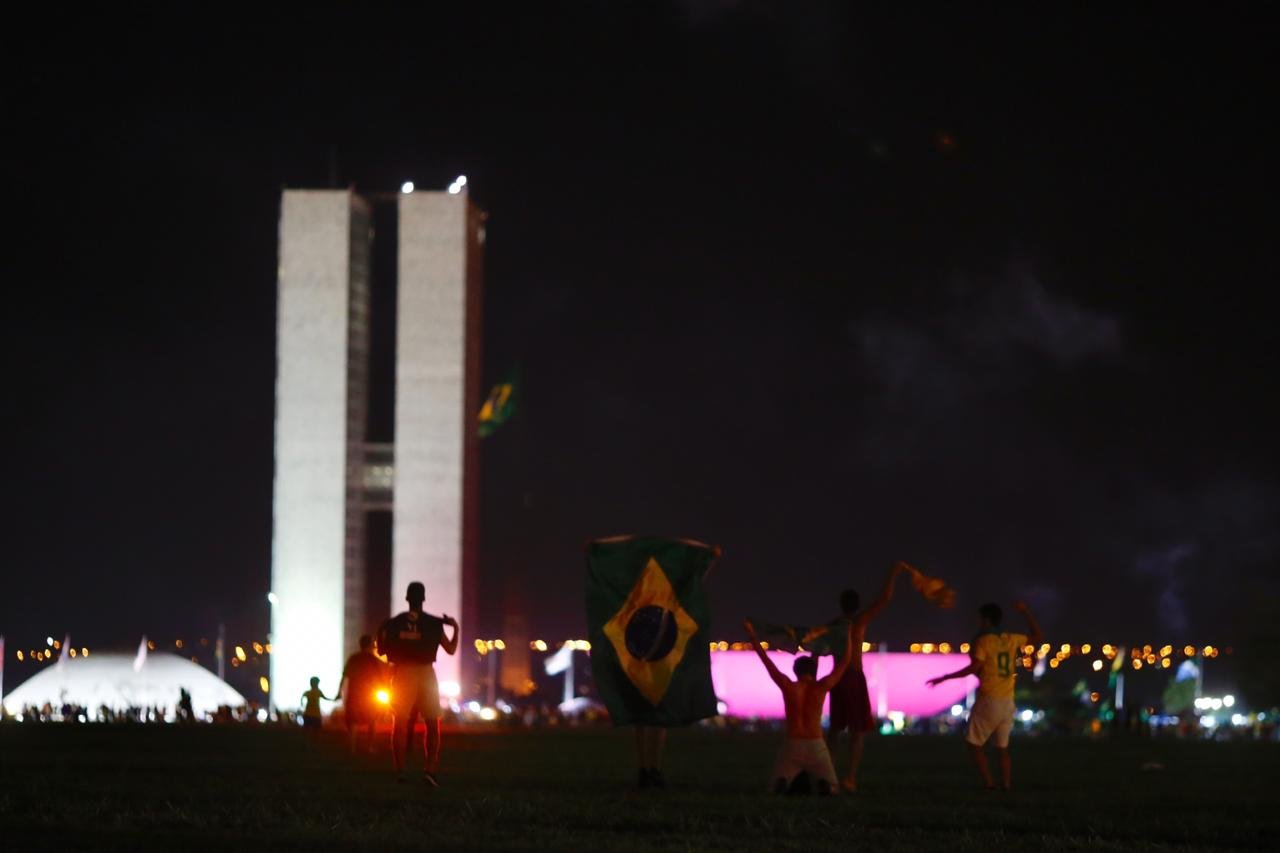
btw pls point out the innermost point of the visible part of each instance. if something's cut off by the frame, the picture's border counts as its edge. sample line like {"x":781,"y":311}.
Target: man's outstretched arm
{"x":886,"y":594}
{"x":971,"y":669}
{"x":1034,"y":635}
{"x":778,"y":678}
{"x":833,"y":677}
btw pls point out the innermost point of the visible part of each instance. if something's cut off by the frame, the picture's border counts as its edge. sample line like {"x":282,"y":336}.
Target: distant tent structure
{"x":111,"y":679}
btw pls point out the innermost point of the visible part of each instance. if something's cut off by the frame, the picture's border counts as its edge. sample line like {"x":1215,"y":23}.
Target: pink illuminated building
{"x":895,"y":680}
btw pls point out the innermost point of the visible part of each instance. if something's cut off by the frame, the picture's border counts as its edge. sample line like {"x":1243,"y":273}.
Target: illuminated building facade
{"x":327,"y":476}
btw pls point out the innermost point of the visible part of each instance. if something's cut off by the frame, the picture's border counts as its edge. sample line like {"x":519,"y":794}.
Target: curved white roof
{"x":109,"y":679}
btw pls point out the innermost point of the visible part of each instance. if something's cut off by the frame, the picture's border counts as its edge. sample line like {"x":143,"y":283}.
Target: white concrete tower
{"x":438,"y":344}
{"x":322,"y":346}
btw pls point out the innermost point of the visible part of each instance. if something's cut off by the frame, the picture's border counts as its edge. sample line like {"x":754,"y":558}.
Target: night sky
{"x":988,"y":291}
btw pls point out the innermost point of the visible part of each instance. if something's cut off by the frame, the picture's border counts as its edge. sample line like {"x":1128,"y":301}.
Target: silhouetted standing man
{"x":363,"y":677}
{"x":410,"y":641}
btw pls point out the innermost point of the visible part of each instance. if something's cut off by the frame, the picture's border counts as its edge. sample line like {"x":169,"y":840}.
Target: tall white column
{"x":437,"y":396}
{"x":322,"y":342}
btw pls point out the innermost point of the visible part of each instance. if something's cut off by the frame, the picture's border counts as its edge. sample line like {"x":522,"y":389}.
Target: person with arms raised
{"x":994,"y":657}
{"x":804,"y":749}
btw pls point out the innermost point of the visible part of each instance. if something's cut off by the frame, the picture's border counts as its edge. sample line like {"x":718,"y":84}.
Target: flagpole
{"x":568,"y":681}
{"x":219,"y":652}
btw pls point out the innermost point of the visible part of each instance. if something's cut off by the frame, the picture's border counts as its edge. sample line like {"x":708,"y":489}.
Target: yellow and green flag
{"x":649,"y":620}
{"x":826,"y":639}
{"x":499,"y":406}
{"x":934,"y":590}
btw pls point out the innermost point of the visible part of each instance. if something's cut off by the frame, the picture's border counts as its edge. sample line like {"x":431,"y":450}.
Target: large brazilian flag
{"x":648,"y":621}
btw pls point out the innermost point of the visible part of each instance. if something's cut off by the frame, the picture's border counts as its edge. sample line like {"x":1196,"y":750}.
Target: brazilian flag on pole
{"x":648,"y":621}
{"x":499,"y":406}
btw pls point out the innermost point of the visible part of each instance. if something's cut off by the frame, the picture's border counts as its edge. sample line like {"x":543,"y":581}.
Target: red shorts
{"x":850,"y":704}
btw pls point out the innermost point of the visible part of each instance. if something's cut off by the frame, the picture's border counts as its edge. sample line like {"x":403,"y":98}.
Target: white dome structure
{"x":111,"y":680}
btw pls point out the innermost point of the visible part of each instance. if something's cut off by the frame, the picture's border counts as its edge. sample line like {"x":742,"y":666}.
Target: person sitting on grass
{"x":311,"y":718}
{"x":804,"y":750}
{"x":994,"y":657}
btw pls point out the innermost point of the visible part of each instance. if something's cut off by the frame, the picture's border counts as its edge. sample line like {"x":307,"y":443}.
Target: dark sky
{"x":989,"y":291}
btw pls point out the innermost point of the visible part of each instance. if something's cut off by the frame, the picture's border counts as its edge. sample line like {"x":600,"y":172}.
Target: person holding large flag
{"x":648,"y":621}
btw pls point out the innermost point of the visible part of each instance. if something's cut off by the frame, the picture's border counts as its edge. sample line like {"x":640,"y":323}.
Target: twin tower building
{"x":328,"y":477}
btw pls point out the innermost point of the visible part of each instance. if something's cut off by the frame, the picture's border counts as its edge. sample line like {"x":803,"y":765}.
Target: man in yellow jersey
{"x":994,"y":657}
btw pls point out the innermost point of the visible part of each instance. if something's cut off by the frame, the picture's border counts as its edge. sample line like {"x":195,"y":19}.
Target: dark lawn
{"x":180,"y":789}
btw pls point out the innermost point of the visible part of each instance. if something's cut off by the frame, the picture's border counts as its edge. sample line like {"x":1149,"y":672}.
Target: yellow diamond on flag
{"x":650,"y":632}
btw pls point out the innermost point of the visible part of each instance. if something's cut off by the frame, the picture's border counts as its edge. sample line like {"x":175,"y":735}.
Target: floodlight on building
{"x":406,"y":187}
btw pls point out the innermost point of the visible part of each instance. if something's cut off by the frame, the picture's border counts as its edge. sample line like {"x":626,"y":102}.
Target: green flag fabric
{"x":499,"y":406}
{"x":648,"y":621}
{"x":826,"y":639}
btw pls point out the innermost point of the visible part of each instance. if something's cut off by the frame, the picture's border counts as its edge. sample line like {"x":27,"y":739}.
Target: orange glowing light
{"x":383,"y":697}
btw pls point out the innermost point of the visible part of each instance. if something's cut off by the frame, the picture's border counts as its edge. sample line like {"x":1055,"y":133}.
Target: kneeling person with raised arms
{"x":410,"y":641}
{"x":804,"y":749}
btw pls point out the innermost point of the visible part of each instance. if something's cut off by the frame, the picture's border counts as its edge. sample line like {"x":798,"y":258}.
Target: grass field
{"x":238,"y":788}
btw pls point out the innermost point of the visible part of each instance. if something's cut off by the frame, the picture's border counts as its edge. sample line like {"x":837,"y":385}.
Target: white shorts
{"x":413,"y":687}
{"x":804,"y":754}
{"x":989,"y":716}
